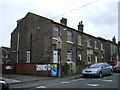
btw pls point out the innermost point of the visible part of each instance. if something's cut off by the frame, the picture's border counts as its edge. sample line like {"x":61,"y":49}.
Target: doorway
{"x":55,"y":56}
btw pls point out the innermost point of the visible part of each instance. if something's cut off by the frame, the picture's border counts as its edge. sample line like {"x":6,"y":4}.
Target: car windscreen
{"x":96,"y":65}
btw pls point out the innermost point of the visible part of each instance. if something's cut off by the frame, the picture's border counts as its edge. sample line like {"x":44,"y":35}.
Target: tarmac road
{"x":111,"y":82}
{"x":26,"y":82}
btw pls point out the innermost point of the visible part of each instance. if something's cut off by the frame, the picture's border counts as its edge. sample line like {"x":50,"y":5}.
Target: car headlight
{"x":94,"y":70}
{"x":83,"y":71}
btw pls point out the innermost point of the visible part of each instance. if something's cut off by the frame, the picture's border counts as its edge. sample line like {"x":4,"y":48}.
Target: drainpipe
{"x":18,"y":40}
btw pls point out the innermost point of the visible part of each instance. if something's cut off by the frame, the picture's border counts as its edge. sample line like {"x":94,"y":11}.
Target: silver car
{"x":4,"y":85}
{"x":98,"y":69}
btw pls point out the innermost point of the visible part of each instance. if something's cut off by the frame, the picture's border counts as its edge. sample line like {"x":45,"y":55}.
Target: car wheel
{"x":100,"y":75}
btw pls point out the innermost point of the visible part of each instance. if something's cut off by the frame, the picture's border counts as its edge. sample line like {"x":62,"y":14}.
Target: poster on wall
{"x":54,"y":70}
{"x":8,"y":67}
{"x":41,"y":67}
{"x":49,"y":67}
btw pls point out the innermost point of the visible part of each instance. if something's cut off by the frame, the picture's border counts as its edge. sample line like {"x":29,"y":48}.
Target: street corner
{"x":11,"y":81}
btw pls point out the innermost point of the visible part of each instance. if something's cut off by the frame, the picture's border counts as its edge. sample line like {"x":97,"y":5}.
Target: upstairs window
{"x":55,"y":33}
{"x":96,"y":44}
{"x":5,"y":56}
{"x":79,"y":40}
{"x":89,"y":43}
{"x":69,"y":36}
{"x":102,"y":46}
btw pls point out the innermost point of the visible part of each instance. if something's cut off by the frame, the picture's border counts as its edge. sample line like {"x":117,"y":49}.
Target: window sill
{"x":69,"y":62}
{"x":96,"y":48}
{"x":89,"y":46}
{"x":80,"y":44}
{"x":69,"y":42}
{"x":89,"y":62}
{"x":27,"y":61}
{"x":102,"y":50}
{"x":55,"y":39}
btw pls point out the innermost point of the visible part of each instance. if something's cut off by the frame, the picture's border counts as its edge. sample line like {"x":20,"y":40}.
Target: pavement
{"x":14,"y":80}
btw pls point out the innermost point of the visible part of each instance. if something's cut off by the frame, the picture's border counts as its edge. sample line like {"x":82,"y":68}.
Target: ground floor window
{"x":102,"y":57}
{"x":55,"y":56}
{"x":69,"y":56}
{"x":79,"y":57}
{"x":96,"y":59}
{"x":28,"y":56}
{"x":89,"y":57}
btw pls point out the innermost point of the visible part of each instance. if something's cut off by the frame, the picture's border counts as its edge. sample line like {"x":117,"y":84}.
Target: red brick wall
{"x":28,"y":69}
{"x":11,"y":71}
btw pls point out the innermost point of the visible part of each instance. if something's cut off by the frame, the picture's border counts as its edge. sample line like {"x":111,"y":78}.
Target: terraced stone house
{"x":34,"y":41}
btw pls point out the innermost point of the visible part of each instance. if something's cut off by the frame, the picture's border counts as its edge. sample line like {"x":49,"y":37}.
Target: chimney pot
{"x":63,"y":21}
{"x":114,"y":39}
{"x":80,"y":26}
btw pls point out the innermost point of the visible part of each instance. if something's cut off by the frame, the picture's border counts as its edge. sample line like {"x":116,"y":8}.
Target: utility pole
{"x":59,"y":72}
{"x":58,"y":47}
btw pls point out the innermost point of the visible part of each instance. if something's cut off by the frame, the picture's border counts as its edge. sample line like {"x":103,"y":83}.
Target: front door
{"x":96,"y":59}
{"x":55,"y":56}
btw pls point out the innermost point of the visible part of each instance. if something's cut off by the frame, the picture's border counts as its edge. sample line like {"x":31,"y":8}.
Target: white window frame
{"x":55,"y":58}
{"x":102,"y":56}
{"x":28,"y":56}
{"x":89,"y":62}
{"x":55,"y":31}
{"x":96,"y":43}
{"x":69,"y":56}
{"x":80,"y":56}
{"x":102,"y":46}
{"x":89,"y":43}
{"x":69,"y":37}
{"x":96,"y":59}
{"x":79,"y":40}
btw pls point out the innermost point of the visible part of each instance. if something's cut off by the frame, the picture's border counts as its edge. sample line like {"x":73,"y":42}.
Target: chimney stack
{"x":18,"y":21}
{"x":63,"y":21}
{"x":80,"y":26}
{"x":114,"y":39}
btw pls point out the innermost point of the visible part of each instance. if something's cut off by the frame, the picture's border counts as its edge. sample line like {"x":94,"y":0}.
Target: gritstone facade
{"x":34,"y":41}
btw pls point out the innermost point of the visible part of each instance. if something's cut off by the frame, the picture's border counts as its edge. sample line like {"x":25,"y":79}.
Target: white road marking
{"x":93,"y":85}
{"x":95,"y":79}
{"x":41,"y":87}
{"x":108,"y":80}
{"x":81,"y":79}
{"x":65,"y":82}
{"x":78,"y":79}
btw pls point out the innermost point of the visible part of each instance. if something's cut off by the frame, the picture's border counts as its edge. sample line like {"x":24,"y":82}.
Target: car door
{"x":104,"y":69}
{"x":107,"y":69}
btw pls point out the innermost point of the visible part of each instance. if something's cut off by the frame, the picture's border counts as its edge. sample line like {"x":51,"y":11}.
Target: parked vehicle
{"x":4,"y":85}
{"x":98,"y":69}
{"x":112,"y":63}
{"x":116,"y":68}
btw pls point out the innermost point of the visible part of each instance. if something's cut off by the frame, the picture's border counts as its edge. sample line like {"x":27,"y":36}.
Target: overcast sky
{"x":100,"y":18}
